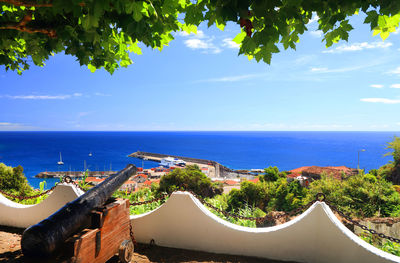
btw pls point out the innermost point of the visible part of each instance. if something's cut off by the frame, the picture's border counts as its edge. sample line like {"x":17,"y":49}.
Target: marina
{"x":74,"y":174}
{"x":215,"y":169}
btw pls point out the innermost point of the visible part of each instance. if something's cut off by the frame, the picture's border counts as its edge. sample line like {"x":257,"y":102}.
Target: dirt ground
{"x":10,"y":252}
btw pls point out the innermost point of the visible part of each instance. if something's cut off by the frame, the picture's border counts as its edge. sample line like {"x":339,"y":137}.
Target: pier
{"x":216,"y":170}
{"x":74,"y":174}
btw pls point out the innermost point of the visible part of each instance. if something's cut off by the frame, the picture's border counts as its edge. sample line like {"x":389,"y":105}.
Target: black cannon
{"x":46,"y":237}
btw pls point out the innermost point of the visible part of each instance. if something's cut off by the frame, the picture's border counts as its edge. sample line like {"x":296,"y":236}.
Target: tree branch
{"x":25,"y":3}
{"x":50,"y":32}
{"x":30,"y":3}
{"x":21,"y":26}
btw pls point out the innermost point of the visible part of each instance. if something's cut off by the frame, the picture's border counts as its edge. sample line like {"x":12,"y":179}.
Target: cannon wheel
{"x":125,"y":252}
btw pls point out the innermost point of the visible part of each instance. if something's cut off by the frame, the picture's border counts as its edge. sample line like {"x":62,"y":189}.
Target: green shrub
{"x":190,"y":178}
{"x":13,"y":179}
{"x":360,"y":195}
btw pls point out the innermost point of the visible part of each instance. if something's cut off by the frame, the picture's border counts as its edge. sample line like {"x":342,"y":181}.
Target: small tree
{"x":190,"y":178}
{"x":13,"y":179}
{"x":271,"y":174}
{"x":391,"y":171}
{"x":395,"y":146}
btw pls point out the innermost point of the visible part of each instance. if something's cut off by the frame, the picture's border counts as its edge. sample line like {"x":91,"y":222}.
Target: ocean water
{"x":39,"y":151}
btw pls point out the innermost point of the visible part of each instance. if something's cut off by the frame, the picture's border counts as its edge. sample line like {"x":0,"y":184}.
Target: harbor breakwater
{"x":74,"y":174}
{"x":216,"y":170}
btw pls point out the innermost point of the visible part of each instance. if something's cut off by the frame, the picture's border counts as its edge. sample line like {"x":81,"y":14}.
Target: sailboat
{"x":60,"y":162}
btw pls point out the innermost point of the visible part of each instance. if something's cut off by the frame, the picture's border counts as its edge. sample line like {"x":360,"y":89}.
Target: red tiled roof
{"x":93,"y":179}
{"x":130,"y":182}
{"x":142,"y":175}
{"x":335,"y":171}
{"x":300,"y":169}
{"x":149,"y":182}
{"x":255,"y":180}
{"x":230,"y":182}
{"x":293,"y":175}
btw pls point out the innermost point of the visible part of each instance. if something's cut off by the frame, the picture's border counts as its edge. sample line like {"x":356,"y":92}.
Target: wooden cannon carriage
{"x":108,"y":235}
{"x":92,"y":228}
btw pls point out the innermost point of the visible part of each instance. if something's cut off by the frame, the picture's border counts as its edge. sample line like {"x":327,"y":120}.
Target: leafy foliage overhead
{"x":102,"y":33}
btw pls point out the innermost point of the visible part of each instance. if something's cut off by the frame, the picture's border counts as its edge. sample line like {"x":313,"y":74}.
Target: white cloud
{"x":196,"y":43}
{"x":207,"y":45}
{"x":10,"y":126}
{"x":42,"y":97}
{"x":233,"y":78}
{"x":376,"y":86}
{"x":395,"y":86}
{"x":181,"y":34}
{"x":199,"y":34}
{"x":202,"y":42}
{"x":227,"y":42}
{"x":380,"y":100}
{"x":102,"y":94}
{"x":84,"y":113}
{"x":319,"y":69}
{"x":395,"y":71}
{"x":358,"y":47}
{"x":316,"y":33}
{"x":314,"y":18}
{"x":304,"y":59}
{"x":341,"y":70}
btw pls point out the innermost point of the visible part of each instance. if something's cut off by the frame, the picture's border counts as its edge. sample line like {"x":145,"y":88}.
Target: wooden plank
{"x":114,"y":224}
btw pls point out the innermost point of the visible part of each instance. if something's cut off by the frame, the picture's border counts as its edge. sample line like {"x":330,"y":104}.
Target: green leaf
{"x":138,"y":10}
{"x":194,"y":14}
{"x":376,"y":32}
{"x":220,"y":26}
{"x":239,"y":37}
{"x":170,"y":6}
{"x":135,"y":48}
{"x":385,"y":34}
{"x":189,"y":28}
{"x":91,"y":68}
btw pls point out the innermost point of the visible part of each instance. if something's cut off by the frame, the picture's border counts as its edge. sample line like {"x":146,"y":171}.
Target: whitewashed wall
{"x":315,"y":236}
{"x":18,"y":215}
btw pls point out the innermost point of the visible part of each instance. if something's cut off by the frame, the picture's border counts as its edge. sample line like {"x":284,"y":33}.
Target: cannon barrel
{"x":48,"y":236}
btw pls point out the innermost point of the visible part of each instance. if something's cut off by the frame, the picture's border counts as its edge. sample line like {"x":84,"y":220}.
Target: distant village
{"x":215,"y":171}
{"x":305,"y":175}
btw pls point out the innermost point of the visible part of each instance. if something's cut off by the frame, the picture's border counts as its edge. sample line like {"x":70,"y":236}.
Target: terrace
{"x":183,"y":222}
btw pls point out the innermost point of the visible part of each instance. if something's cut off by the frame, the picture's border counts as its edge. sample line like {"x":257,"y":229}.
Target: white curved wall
{"x":315,"y":236}
{"x":18,"y":215}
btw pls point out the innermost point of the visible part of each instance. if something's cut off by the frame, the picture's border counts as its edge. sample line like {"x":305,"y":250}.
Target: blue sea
{"x":39,"y":151}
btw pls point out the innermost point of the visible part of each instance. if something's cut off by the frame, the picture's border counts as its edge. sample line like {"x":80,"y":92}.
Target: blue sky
{"x":199,"y":83}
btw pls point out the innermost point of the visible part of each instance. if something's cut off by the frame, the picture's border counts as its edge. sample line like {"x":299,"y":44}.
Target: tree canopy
{"x":102,"y":33}
{"x":190,"y":178}
{"x":13,"y":179}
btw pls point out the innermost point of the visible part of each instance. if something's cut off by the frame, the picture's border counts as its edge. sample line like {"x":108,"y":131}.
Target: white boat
{"x":90,"y":154}
{"x":169,"y":162}
{"x":180,"y":163}
{"x":60,"y":162}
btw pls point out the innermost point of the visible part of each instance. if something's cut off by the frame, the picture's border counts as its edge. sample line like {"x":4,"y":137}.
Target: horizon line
{"x":198,"y":131}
